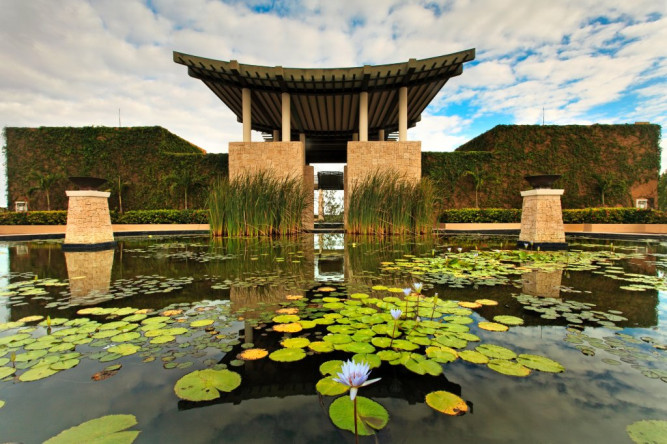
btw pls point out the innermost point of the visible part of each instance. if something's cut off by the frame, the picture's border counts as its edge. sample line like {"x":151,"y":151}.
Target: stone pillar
{"x":302,"y":139}
{"x":308,"y":217}
{"x":403,"y":114}
{"x":247,"y":113}
{"x":381,"y":135}
{"x":542,"y":220}
{"x":320,"y":205}
{"x":363,"y":116}
{"x":286,"y":114}
{"x":88,"y":221}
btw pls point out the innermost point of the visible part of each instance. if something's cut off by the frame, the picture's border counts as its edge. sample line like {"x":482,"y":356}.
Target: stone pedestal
{"x":88,"y":221}
{"x":542,"y":220}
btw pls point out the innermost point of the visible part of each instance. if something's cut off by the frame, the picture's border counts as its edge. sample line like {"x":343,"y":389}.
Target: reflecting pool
{"x":89,"y":334}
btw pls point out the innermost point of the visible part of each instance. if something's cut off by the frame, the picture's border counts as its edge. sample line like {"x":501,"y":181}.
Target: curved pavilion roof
{"x":325,"y":102}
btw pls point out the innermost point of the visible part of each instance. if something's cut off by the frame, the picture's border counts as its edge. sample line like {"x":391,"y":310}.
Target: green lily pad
{"x":162,"y":339}
{"x":508,"y":368}
{"x":201,"y":323}
{"x":107,"y":429}
{"x":447,"y":403}
{"x":125,"y":337}
{"x":441,"y":355}
{"x":328,"y":387}
{"x":495,"y":351}
{"x":2,"y":404}
{"x":474,"y":357}
{"x":381,"y":341}
{"x":36,"y":373}
{"x":371,"y":415}
{"x":30,"y":356}
{"x":337,"y":338}
{"x":359,"y":347}
{"x":331,"y":367}
{"x":372,"y":360}
{"x":206,"y":385}
{"x":424,"y":367}
{"x":65,"y":364}
{"x":6,"y":371}
{"x":492,"y":326}
{"x":288,"y":355}
{"x":644,"y":432}
{"x":540,"y":363}
{"x":388,"y":355}
{"x":295,"y":342}
{"x":321,"y":346}
{"x":508,"y":320}
{"x":124,"y":349}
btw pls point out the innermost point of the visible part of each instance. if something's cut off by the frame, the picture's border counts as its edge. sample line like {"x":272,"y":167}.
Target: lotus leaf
{"x":492,"y":326}
{"x":206,"y":385}
{"x":328,"y":387}
{"x":474,"y":357}
{"x":447,"y":403}
{"x":370,"y":415}
{"x":647,"y":431}
{"x":107,"y":429}
{"x":508,"y":367}
{"x":38,"y":372}
{"x":321,"y":347}
{"x":508,"y":320}
{"x":295,"y":342}
{"x":288,"y":355}
{"x":495,"y":351}
{"x":540,"y":363}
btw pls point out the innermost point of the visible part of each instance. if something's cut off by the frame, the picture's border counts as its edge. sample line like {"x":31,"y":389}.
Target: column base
{"x":89,"y":247}
{"x":542,"y":246}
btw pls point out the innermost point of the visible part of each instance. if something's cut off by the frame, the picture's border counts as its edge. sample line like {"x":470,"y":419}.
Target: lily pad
{"x":540,"y":363}
{"x":6,"y":371}
{"x":108,"y":429}
{"x":288,"y":355}
{"x":328,"y":387}
{"x":495,"y":351}
{"x":36,"y":373}
{"x":124,"y":349}
{"x":253,"y":354}
{"x":508,"y":320}
{"x":474,"y":357}
{"x":295,"y":342}
{"x":508,"y":368}
{"x":321,"y":347}
{"x":206,"y":385}
{"x":447,"y":403}
{"x":645,"y":432}
{"x":201,"y":323}
{"x":285,"y":319}
{"x":371,"y":415}
{"x":492,"y":326}
{"x":331,"y":367}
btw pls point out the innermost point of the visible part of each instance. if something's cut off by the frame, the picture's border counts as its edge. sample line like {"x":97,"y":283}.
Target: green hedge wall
{"x":622,"y":159}
{"x":572,"y":216}
{"x":151,"y":166}
{"x":130,"y":217}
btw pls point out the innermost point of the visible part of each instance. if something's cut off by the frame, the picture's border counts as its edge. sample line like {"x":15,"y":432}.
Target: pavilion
{"x":359,"y":116}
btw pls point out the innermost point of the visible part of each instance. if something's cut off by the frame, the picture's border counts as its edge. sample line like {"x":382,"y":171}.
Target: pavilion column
{"x":381,"y":134}
{"x":287,"y":129}
{"x":247,"y":114}
{"x":403,"y":114}
{"x":276,"y":135}
{"x":302,"y":138}
{"x":363,"y":116}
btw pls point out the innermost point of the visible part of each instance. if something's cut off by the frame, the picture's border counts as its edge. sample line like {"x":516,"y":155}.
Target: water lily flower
{"x":460,"y":249}
{"x":355,"y":375}
{"x":396,"y":313}
{"x":449,"y":249}
{"x":407,"y":291}
{"x":418,"y":286}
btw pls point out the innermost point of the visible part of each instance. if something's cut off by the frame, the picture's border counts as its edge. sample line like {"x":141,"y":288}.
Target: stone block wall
{"x":366,"y":158}
{"x":285,"y":159}
{"x":88,"y":219}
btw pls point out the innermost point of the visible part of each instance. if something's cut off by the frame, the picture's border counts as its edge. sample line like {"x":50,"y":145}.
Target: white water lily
{"x":355,"y":375}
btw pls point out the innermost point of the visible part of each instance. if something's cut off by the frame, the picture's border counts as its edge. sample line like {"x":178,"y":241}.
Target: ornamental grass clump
{"x":385,"y":203}
{"x":257,"y":205}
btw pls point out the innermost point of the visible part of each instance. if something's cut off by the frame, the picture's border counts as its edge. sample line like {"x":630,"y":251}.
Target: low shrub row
{"x":582,"y":216}
{"x":129,"y":217}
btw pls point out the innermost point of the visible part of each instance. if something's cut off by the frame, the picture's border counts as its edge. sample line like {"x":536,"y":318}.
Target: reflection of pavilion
{"x":89,"y":274}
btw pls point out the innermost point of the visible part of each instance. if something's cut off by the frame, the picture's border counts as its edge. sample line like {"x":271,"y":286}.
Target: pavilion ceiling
{"x":325,"y":102}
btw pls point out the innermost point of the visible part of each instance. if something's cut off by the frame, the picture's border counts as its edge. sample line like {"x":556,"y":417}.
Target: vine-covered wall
{"x":149,"y":165}
{"x":621,"y":160}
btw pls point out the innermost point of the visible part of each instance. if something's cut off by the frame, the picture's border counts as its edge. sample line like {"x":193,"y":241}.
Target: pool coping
{"x":608,"y":231}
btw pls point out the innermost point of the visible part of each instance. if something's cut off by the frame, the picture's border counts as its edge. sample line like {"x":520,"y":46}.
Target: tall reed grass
{"x":257,"y":205}
{"x":385,"y":203}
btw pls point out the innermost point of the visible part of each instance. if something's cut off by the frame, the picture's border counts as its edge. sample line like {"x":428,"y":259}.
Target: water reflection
{"x":89,"y":275}
{"x":542,"y":283}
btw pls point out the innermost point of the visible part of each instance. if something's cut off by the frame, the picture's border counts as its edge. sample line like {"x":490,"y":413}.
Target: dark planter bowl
{"x":87,"y":182}
{"x":542,"y":180}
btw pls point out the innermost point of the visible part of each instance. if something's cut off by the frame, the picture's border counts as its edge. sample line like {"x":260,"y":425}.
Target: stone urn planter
{"x":542,"y":181}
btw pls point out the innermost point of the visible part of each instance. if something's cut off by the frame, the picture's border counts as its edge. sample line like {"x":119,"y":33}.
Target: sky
{"x":77,"y":62}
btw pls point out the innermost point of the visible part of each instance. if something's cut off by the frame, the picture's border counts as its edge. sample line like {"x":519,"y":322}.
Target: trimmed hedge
{"x":129,"y":217}
{"x":577,"y":216}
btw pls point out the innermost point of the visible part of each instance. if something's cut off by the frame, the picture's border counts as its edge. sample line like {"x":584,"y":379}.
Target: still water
{"x":604,"y":321}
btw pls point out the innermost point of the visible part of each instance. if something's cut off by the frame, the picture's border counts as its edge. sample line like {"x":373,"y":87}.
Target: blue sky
{"x":76,"y":62}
